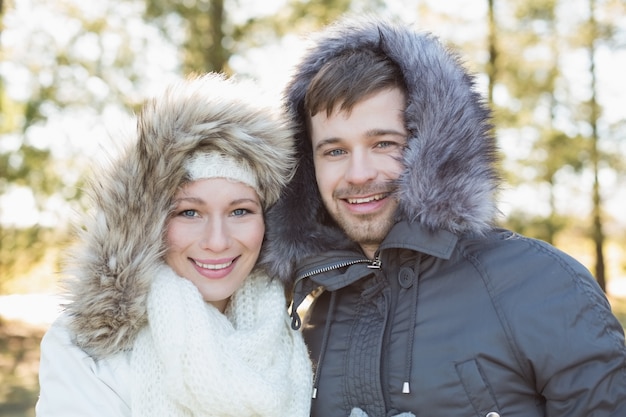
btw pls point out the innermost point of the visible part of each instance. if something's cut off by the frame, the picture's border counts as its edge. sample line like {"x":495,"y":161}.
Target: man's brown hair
{"x":349,"y":78}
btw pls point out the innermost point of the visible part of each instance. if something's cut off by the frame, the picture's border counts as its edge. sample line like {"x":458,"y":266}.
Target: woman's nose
{"x":215,"y":236}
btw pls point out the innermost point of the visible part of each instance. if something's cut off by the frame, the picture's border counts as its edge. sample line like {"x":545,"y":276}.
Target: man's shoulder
{"x":504,"y":251}
{"x":498,"y":242}
{"x":505,"y":255}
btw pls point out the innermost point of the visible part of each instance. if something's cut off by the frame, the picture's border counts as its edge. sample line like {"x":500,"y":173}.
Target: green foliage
{"x":295,"y":17}
{"x":93,"y":64}
{"x":312,"y":14}
{"x":29,"y":167}
{"x":206,"y":32}
{"x":23,"y":249}
{"x":539,"y":227}
{"x":554,"y":152}
{"x":212,"y":36}
{"x":530,"y":11}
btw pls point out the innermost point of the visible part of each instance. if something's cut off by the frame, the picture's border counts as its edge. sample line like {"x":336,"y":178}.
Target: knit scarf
{"x":192,"y":360}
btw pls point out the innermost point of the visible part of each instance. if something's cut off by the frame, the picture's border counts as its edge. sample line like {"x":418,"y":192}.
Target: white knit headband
{"x":216,"y":165}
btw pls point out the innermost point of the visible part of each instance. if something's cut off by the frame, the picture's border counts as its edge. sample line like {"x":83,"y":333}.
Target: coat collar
{"x":415,"y":236}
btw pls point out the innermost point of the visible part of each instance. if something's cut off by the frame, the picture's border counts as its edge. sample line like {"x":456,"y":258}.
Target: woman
{"x":167,"y":314}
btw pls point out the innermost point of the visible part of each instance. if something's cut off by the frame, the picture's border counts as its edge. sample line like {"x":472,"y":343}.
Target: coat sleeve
{"x":572,"y":344}
{"x":73,"y":384}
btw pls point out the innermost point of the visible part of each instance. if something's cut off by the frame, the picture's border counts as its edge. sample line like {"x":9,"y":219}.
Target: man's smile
{"x":361,"y":200}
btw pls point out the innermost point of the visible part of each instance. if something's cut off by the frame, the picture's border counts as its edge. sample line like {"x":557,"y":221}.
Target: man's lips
{"x":368,"y":199}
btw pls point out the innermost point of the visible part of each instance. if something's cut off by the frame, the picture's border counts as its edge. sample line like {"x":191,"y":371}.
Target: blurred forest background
{"x":72,"y":71}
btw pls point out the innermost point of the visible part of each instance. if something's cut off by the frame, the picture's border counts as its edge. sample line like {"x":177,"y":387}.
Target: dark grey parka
{"x":453,"y":317}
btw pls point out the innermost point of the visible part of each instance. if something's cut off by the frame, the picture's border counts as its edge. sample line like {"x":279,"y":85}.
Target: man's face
{"x":356,"y":157}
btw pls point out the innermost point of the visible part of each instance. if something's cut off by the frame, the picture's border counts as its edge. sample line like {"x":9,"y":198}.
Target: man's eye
{"x":335,"y":152}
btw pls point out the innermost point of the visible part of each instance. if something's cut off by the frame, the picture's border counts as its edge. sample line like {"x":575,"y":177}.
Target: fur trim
{"x":122,"y":243}
{"x":450,"y":175}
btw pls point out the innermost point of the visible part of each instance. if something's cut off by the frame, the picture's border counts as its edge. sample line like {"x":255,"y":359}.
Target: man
{"x":427,"y":308}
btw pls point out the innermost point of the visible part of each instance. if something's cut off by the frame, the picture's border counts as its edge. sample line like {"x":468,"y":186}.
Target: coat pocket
{"x":477,"y":388}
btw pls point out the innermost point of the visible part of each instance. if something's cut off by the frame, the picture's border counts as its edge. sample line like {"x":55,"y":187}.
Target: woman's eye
{"x":240,"y":212}
{"x":188,"y":213}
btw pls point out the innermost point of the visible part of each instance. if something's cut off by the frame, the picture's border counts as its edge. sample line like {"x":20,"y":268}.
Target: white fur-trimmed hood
{"x":121,"y":243}
{"x":450,"y":177}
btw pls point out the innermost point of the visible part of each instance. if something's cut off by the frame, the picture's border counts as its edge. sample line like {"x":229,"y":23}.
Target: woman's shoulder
{"x":72,"y":379}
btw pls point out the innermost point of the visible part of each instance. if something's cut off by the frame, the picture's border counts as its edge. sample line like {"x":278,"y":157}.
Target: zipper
{"x":373,"y":264}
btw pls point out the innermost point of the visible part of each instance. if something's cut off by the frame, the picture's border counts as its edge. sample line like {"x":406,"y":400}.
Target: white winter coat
{"x":77,"y":385}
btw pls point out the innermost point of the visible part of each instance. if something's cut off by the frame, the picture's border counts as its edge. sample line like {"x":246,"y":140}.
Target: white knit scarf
{"x":192,"y":360}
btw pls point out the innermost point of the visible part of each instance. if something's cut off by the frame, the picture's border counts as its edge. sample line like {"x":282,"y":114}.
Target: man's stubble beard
{"x":366,"y":230}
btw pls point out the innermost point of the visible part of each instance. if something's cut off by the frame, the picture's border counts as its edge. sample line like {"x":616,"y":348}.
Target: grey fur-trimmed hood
{"x":121,"y":243}
{"x":450,"y":178}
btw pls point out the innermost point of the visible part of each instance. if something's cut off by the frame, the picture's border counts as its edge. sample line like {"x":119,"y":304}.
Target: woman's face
{"x":214,"y":236}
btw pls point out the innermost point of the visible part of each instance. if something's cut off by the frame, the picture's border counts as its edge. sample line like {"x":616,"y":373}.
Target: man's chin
{"x":367,"y":232}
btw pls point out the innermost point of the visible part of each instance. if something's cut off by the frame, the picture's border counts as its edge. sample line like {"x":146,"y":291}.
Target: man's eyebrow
{"x":384,"y":132}
{"x":328,"y":141}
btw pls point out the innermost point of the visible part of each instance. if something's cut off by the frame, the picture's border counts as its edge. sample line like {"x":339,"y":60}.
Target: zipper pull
{"x":375,"y":263}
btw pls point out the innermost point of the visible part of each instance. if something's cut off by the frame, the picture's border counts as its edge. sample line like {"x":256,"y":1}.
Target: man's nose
{"x":361,"y":168}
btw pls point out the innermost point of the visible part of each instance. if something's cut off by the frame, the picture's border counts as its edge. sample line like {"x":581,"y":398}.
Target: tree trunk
{"x":493,"y":52}
{"x":597,"y":232}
